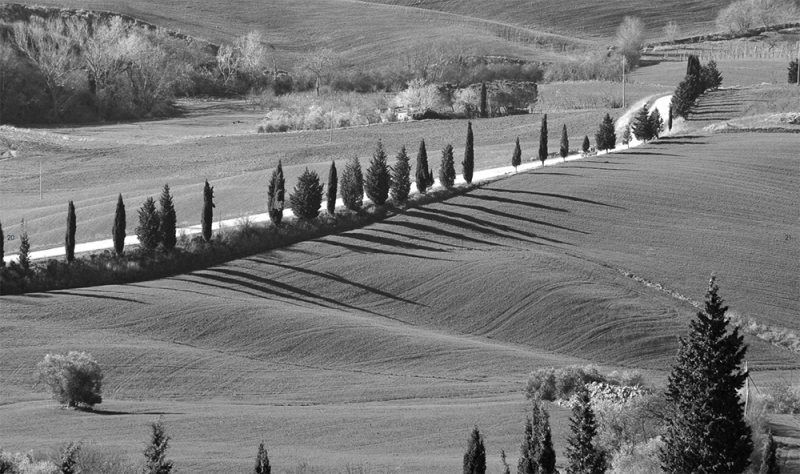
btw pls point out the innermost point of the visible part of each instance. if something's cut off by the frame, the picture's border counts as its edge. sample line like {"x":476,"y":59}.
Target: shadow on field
{"x":376,"y":239}
{"x":667,"y":141}
{"x":98,"y":296}
{"x":415,"y":237}
{"x":785,"y":431}
{"x":123,"y":413}
{"x":438,"y":232}
{"x":650,"y":153}
{"x":558,"y":196}
{"x":505,"y":200}
{"x":594,"y":168}
{"x":512,"y":216}
{"x":366,"y":249}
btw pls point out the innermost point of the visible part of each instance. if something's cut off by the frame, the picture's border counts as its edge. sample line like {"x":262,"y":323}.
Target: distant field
{"x":735,"y":72}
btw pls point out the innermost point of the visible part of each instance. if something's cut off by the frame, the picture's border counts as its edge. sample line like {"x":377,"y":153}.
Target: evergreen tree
{"x":378,"y":179}
{"x":468,"y":165}
{"x":564,"y":150}
{"x":642,"y":127}
{"x":155,"y":452}
{"x":2,"y":247}
{"x":276,"y":194}
{"x":537,"y":455}
{"x":401,"y":177}
{"x":793,"y":72}
{"x":693,"y":67}
{"x":262,"y":461}
{"x":583,"y":456}
{"x":669,"y":118}
{"x":169,"y":220}
{"x":516,"y":158}
{"x":656,"y":123}
{"x":769,"y":456}
{"x":475,"y":457}
{"x":447,"y":170}
{"x":118,"y":229}
{"x":527,"y":451}
{"x":585,"y":146}
{"x":484,"y":101}
{"x":688,"y":90}
{"x":24,"y":248}
{"x":626,"y":136}
{"x":148,"y":230}
{"x":710,"y":76}
{"x":543,"y":140}
{"x":352,"y":185}
{"x":706,"y":431}
{"x":69,"y":459}
{"x":207,"y":217}
{"x":333,"y":183}
{"x":422,"y":175}
{"x":69,"y":239}
{"x":606,"y":137}
{"x":306,"y":199}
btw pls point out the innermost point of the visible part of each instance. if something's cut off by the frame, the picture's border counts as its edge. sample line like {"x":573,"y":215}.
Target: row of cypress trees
{"x":697,"y":81}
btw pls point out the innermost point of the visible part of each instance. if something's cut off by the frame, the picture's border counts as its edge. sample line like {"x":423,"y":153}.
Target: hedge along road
{"x":661,"y":103}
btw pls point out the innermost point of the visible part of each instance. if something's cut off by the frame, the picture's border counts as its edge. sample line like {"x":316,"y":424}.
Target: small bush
{"x":551,"y":383}
{"x":783,"y":398}
{"x":75,"y":379}
{"x":641,"y":458}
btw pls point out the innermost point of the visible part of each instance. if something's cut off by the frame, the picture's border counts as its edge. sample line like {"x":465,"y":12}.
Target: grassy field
{"x":735,"y":72}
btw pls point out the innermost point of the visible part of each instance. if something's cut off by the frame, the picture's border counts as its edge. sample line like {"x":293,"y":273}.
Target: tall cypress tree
{"x":475,"y":457}
{"x":484,"y":101}
{"x":583,"y":456}
{"x":585,"y":146}
{"x":422,"y":173}
{"x":2,"y":247}
{"x":207,"y":217}
{"x":516,"y":158}
{"x":564,"y":149}
{"x":276,"y":192}
{"x":468,"y":165}
{"x":307,"y":196}
{"x":527,"y":451}
{"x":447,"y":170}
{"x":669,"y":118}
{"x":262,"y":461}
{"x":352,"y":186}
{"x":793,"y":72}
{"x":149,"y":229}
{"x":543,"y":140}
{"x":333,"y":183}
{"x":401,"y":177}
{"x":706,"y":430}
{"x":537,"y":455}
{"x":606,"y":137}
{"x":69,"y":238}
{"x":118,"y":229}
{"x":169,"y":220}
{"x":24,"y":248}
{"x":378,"y":178}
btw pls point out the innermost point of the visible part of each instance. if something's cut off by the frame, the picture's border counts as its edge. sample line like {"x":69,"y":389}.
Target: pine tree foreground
{"x":352,"y":185}
{"x":156,"y":452}
{"x":468,"y":165}
{"x":606,"y":137}
{"x":401,"y":177}
{"x":207,"y":218}
{"x":585,"y":146}
{"x":333,"y":183}
{"x":148,"y":230}
{"x":306,"y":199}
{"x":276,"y":194}
{"x":642,"y":126}
{"x":169,"y":220}
{"x":537,"y":455}
{"x":262,"y":461}
{"x":475,"y":457}
{"x":516,"y":158}
{"x":706,"y":430}
{"x":378,"y":178}
{"x":422,"y":174}
{"x":447,"y":169}
{"x":69,"y":239}
{"x":118,"y":228}
{"x":583,"y":456}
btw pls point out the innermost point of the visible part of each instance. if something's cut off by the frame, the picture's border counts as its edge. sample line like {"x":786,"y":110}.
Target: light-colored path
{"x":480,"y":175}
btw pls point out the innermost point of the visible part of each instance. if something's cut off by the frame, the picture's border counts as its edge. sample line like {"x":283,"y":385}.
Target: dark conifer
{"x":169,"y":220}
{"x":606,"y":137}
{"x":693,"y":67}
{"x":583,"y":457}
{"x":207,"y":217}
{"x":468,"y":165}
{"x":543,"y":140}
{"x":564,"y":149}
{"x":401,"y":177}
{"x":527,"y":451}
{"x":706,"y":430}
{"x":156,"y":452}
{"x":148,"y":231}
{"x":422,"y":173}
{"x":306,"y":199}
{"x":642,"y":127}
{"x":769,"y":456}
{"x":585,"y":146}
{"x":24,"y":257}
{"x":69,"y":239}
{"x":2,"y":247}
{"x":484,"y":101}
{"x":626,"y":136}
{"x":333,"y":183}
{"x":118,"y":229}
{"x":537,"y":455}
{"x":685,"y":95}
{"x":710,"y":76}
{"x":352,"y":185}
{"x":516,"y":158}
{"x":656,"y":123}
{"x":69,"y":459}
{"x":262,"y":461}
{"x":276,"y":195}
{"x":447,"y":170}
{"x":475,"y":457}
{"x":378,"y":178}
{"x":669,"y":118}
{"x":793,"y":72}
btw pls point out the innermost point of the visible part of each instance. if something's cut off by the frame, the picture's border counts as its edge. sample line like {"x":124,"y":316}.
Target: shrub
{"x":155,"y":453}
{"x":793,"y":72}
{"x":118,"y":229}
{"x":307,"y":196}
{"x":103,"y":460}
{"x":550,"y":383}
{"x":641,"y":458}
{"x":447,"y":170}
{"x":75,"y":378}
{"x":378,"y":179}
{"x":149,"y":229}
{"x":783,"y":398}
{"x":401,"y":177}
{"x":262,"y":461}
{"x":68,"y":459}
{"x":352,"y":184}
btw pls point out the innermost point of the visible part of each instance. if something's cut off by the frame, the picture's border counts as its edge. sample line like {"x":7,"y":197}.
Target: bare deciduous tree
{"x":630,"y":38}
{"x":671,"y":31}
{"x":321,"y":63}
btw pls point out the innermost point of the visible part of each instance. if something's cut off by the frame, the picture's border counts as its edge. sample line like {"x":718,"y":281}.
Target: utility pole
{"x":623,"y":81}
{"x":40,"y":179}
{"x":798,"y":63}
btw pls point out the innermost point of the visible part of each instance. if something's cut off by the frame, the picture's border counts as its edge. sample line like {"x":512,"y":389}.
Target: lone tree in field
{"x":306,"y":199}
{"x":24,"y":257}
{"x":378,"y":178}
{"x":352,"y":185}
{"x":148,"y":230}
{"x":706,"y":430}
{"x":208,"y":211}
{"x":69,"y":239}
{"x":564,"y":149}
{"x":276,"y":192}
{"x":484,"y":102}
{"x":422,"y":173}
{"x":468,"y":165}
{"x":642,"y":126}
{"x":262,"y":461}
{"x":447,"y":170}
{"x":155,"y":453}
{"x":543,"y":140}
{"x":75,"y":379}
{"x":333,"y":184}
{"x":606,"y":137}
{"x":583,"y":457}
{"x":626,"y":136}
{"x":169,"y":220}
{"x":586,"y":146}
{"x":475,"y":457}
{"x":401,"y":177}
{"x":793,"y":76}
{"x":118,"y":229}
{"x":537,"y":455}
{"x":516,"y":158}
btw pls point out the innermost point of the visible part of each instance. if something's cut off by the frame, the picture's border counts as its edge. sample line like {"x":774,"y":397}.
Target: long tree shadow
{"x":558,"y":196}
{"x":515,"y":217}
{"x":667,"y":141}
{"x":595,"y":168}
{"x":416,"y":237}
{"x":98,"y":411}
{"x":376,"y":239}
{"x":650,"y":153}
{"x":504,"y":200}
{"x":102,"y":297}
{"x":439,"y":232}
{"x":231,"y":285}
{"x":365,"y":249}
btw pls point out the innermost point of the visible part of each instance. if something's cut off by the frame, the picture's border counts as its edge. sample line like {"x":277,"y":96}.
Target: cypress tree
{"x":276,"y":193}
{"x":352,"y":185}
{"x":710,"y":76}
{"x":468,"y":165}
{"x":516,"y":158}
{"x":527,"y":451}
{"x":484,"y":101}
{"x":401,"y":177}
{"x":262,"y":461}
{"x":688,"y":90}
{"x":169,"y":220}
{"x":306,"y":199}
{"x":208,"y":211}
{"x":156,"y":452}
{"x":564,"y":150}
{"x":24,"y":248}
{"x":656,"y":123}
{"x":148,"y":230}
{"x":693,"y":67}
{"x":706,"y":430}
{"x":118,"y":229}
{"x":333,"y":183}
{"x":606,"y":137}
{"x":537,"y":455}
{"x":447,"y":170}
{"x":793,"y":72}
{"x":585,"y":146}
{"x":69,"y":239}
{"x":642,"y":127}
{"x":475,"y":457}
{"x":543,"y":140}
{"x":378,"y":179}
{"x":769,"y":456}
{"x":669,"y":118}
{"x":2,"y":247}
{"x":583,"y":457}
{"x":422,"y":173}
{"x":626,"y":136}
